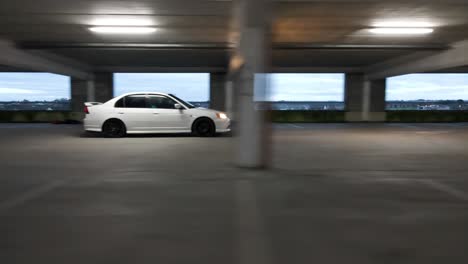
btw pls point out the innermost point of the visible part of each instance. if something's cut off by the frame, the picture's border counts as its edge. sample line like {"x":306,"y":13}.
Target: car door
{"x":134,"y":113}
{"x":165,"y":116}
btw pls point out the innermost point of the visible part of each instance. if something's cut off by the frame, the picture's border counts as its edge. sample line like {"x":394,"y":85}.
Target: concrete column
{"x":100,"y":89}
{"x":377,"y":97}
{"x":91,"y":91}
{"x":79,"y":94}
{"x":364,"y":99}
{"x":103,"y":86}
{"x":218,"y":91}
{"x":252,"y":60}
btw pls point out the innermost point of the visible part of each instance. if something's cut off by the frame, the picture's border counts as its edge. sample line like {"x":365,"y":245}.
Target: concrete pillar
{"x":103,"y":86}
{"x":218,"y":91}
{"x":252,"y":56}
{"x":100,"y":89}
{"x":364,"y":99}
{"x":79,"y":94}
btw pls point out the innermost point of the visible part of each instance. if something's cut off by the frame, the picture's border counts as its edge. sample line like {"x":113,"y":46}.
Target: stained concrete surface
{"x":337,"y":193}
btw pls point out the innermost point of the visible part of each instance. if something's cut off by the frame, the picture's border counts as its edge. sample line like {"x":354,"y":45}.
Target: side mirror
{"x":178,"y":106}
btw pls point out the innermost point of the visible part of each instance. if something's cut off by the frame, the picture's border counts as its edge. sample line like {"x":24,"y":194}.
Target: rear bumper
{"x":91,"y":126}
{"x":91,"y":129}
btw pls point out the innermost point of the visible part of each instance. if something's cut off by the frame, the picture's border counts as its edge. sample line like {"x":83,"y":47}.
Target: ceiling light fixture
{"x":401,"y":31}
{"x":403,"y":24}
{"x":122,"y":22}
{"x":123,"y":30}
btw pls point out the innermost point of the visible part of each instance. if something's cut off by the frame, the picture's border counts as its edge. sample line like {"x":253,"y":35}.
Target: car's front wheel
{"x":204,"y":127}
{"x":114,"y":128}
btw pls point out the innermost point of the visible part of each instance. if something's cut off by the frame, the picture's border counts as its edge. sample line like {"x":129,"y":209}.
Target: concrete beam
{"x":317,"y":70}
{"x":223,"y":46}
{"x":425,"y":61}
{"x":155,"y":69}
{"x":10,"y":55}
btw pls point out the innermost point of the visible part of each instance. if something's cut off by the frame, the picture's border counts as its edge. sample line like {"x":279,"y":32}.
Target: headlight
{"x":221,"y":115}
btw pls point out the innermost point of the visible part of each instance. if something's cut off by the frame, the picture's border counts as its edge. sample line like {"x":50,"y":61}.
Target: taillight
{"x":86,"y":110}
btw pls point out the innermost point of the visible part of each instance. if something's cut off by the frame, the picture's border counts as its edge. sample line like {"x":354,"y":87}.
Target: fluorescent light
{"x":123,"y":30}
{"x":401,"y":31}
{"x":403,"y":24}
{"x":122,"y":22}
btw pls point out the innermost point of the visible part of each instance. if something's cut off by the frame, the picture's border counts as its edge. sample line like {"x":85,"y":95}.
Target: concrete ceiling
{"x":305,"y":33}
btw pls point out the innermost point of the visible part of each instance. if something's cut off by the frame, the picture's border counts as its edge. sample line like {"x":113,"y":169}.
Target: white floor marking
{"x":432,"y":132}
{"x":446,"y":189}
{"x":410,"y":126}
{"x":29,"y":195}
{"x":252,"y":239}
{"x":295,"y":126}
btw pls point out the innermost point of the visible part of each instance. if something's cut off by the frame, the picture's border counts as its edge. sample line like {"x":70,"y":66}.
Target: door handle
{"x":121,"y":113}
{"x":155,"y":113}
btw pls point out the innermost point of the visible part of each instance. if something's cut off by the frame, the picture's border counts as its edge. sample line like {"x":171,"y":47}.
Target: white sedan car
{"x":148,"y":112}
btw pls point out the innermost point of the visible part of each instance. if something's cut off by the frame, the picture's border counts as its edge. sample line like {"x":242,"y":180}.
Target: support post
{"x":251,"y":65}
{"x":364,"y":99}
{"x":218,"y":91}
{"x":103,"y":86}
{"x":99,"y":89}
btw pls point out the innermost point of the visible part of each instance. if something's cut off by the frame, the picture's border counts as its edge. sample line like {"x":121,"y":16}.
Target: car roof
{"x":158,"y":93}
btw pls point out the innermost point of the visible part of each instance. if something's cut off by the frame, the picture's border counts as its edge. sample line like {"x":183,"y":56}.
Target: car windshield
{"x":187,"y":104}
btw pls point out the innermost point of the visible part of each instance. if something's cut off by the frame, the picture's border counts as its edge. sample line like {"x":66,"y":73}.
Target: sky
{"x":307,"y":87}
{"x":33,"y":86}
{"x":428,"y":87}
{"x":195,"y":86}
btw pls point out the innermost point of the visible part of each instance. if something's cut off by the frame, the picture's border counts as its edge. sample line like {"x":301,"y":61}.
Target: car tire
{"x":204,"y":127}
{"x":114,"y":129}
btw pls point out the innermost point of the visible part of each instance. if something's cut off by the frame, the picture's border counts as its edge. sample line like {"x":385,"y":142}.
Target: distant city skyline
{"x":34,"y":86}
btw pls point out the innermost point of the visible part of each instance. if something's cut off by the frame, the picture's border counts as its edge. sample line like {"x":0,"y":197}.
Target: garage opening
{"x":34,"y":91}
{"x":191,"y":87}
{"x":311,"y":91}
{"x":436,"y":92}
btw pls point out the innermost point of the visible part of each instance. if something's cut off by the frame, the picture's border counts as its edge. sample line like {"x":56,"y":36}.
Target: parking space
{"x":359,"y":193}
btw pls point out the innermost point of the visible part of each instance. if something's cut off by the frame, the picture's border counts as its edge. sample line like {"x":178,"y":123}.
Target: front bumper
{"x":223,"y":125}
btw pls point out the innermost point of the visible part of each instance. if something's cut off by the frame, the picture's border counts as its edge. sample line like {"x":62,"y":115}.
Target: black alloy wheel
{"x":205,"y":128}
{"x":113,"y":129}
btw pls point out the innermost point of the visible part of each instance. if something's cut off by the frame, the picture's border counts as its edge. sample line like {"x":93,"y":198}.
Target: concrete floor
{"x":338,"y":193}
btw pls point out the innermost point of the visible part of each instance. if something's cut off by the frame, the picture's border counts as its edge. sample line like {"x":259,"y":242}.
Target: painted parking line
{"x":32,"y":194}
{"x":252,"y":246}
{"x":295,"y":126}
{"x":432,"y":132}
{"x":446,"y":189}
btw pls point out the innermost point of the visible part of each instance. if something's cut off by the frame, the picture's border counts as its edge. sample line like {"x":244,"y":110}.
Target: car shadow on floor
{"x":159,"y":135}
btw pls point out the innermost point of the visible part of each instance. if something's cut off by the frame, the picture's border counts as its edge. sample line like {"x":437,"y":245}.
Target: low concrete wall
{"x":276,"y":116}
{"x":40,"y":116}
{"x":372,"y":117}
{"x":308,"y":116}
{"x":427,"y":116}
{"x":389,"y":116}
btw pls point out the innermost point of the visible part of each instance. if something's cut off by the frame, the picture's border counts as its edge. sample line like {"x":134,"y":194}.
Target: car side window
{"x":160,"y":102}
{"x":135,"y":101}
{"x":120,"y":103}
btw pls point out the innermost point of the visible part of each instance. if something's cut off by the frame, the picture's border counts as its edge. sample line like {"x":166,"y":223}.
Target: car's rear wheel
{"x":114,"y":129}
{"x":204,"y":128}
